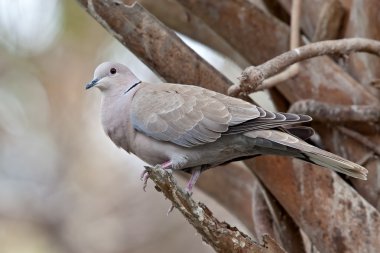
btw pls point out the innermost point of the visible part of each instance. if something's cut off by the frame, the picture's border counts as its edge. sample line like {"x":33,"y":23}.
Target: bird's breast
{"x":119,"y":131}
{"x":151,"y":150}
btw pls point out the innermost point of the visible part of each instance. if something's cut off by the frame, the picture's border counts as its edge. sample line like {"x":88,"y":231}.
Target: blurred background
{"x":64,"y":187}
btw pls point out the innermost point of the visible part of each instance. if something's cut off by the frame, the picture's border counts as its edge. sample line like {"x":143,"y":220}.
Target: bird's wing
{"x":190,"y":115}
{"x":186,"y":115}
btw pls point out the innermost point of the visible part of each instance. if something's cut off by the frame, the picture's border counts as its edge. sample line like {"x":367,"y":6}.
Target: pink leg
{"x":194,"y":177}
{"x":144,"y":175}
{"x":189,"y":188}
{"x":166,"y":165}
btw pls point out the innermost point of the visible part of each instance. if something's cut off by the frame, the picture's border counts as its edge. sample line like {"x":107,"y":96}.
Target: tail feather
{"x":338,"y":164}
{"x":281,"y":143}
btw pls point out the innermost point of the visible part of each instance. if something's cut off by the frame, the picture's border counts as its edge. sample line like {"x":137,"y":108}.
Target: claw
{"x":170,"y":210}
{"x":145,"y":180}
{"x":144,"y":175}
{"x":188,"y":192}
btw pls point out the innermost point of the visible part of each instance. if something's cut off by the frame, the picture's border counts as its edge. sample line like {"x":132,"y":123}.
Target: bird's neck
{"x":127,"y":86}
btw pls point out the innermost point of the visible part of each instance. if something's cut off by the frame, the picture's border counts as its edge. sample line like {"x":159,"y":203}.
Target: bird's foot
{"x":144,"y":175}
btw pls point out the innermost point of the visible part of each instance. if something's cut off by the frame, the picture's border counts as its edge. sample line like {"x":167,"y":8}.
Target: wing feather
{"x":190,"y":115}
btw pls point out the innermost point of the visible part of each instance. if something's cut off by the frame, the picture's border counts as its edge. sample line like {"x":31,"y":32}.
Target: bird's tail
{"x":281,"y":143}
{"x":336,"y":163}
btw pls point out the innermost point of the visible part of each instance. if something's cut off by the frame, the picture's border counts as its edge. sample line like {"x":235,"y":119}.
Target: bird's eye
{"x":113,"y":71}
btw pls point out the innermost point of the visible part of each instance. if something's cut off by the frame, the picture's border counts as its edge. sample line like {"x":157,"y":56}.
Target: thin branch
{"x":220,"y":235}
{"x":295,"y":24}
{"x":294,"y":43}
{"x":271,"y":82}
{"x":293,"y":70}
{"x":253,"y":76}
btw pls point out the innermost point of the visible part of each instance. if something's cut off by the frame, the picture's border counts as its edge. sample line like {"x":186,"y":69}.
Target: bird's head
{"x":112,"y":76}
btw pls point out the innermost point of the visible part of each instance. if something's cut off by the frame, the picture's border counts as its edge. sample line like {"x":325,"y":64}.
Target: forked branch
{"x":253,"y":76}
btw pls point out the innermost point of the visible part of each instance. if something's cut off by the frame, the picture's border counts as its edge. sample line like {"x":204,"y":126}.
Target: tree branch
{"x":175,"y":16}
{"x":326,"y":112}
{"x":220,"y":235}
{"x":240,"y":182}
{"x":253,"y":76}
{"x":365,"y":118}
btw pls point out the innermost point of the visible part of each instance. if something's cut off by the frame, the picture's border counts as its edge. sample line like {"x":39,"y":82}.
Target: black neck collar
{"x":133,"y":86}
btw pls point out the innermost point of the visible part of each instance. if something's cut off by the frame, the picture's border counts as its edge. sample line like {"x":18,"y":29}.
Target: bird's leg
{"x":195,"y":172}
{"x":166,"y":165}
{"x":144,"y":174}
{"x":194,"y":177}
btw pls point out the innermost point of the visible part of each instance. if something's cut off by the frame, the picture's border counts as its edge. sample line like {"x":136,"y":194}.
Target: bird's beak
{"x":92,"y":83}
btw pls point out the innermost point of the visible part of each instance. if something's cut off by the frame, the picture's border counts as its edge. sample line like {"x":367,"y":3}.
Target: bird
{"x":190,"y":128}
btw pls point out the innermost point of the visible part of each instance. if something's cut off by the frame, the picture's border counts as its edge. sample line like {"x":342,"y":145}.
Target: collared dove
{"x":190,"y":128}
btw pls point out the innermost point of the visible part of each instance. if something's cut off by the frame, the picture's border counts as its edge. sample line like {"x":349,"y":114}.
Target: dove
{"x":190,"y":128}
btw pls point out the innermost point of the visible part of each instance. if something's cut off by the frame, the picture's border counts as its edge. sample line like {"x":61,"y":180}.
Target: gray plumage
{"x":191,"y":128}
